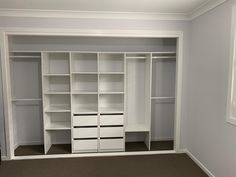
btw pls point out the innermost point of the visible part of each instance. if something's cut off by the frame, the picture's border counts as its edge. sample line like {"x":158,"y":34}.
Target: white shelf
{"x":136,"y":57}
{"x":56,"y":93}
{"x":111,"y":93}
{"x":162,"y":98}
{"x":58,"y":108}
{"x":56,"y":75}
{"x":84,"y":93}
{"x":26,"y":99}
{"x":164,"y":57}
{"x":58,"y":126}
{"x":111,"y":73}
{"x":84,"y":72}
{"x":25,"y":57}
{"x":111,"y":110}
{"x":137,"y":128}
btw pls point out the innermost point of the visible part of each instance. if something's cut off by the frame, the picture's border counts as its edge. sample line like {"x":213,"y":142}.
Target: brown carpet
{"x":66,"y":148}
{"x":39,"y":150}
{"x":172,"y":165}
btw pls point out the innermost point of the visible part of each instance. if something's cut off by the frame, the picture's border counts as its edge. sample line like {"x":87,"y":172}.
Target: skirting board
{"x":203,"y":167}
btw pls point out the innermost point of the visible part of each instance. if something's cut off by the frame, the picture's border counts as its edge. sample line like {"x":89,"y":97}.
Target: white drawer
{"x":85,"y":145}
{"x":85,"y":120}
{"x":111,"y":144}
{"x":111,"y":132}
{"x":85,"y":132}
{"x":111,"y":120}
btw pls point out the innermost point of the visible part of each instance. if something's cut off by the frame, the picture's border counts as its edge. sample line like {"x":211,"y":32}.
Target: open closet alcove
{"x":92,"y":94}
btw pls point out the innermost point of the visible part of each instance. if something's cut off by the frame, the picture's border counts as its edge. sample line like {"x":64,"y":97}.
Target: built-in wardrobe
{"x":92,"y":94}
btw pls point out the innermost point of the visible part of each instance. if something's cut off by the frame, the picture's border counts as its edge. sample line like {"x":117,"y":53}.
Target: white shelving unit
{"x":56,"y":95}
{"x":97,"y":100}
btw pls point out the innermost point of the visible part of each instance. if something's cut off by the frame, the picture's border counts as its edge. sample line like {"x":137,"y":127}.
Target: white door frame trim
{"x":4,"y":32}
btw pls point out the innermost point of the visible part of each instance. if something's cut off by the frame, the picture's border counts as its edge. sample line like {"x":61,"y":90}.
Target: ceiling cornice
{"x":205,"y":7}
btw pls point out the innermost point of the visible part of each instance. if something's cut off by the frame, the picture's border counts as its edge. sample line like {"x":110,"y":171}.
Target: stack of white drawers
{"x":93,"y":133}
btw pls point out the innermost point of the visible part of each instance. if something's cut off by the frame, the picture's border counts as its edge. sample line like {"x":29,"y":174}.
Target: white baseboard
{"x":204,"y":168}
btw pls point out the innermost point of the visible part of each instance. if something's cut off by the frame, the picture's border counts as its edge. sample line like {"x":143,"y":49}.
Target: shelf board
{"x":162,"y":98}
{"x":137,"y":57}
{"x":168,"y":52}
{"x":110,"y":93}
{"x":26,"y":99}
{"x":58,"y":126}
{"x":137,"y":128}
{"x":111,"y":73}
{"x":111,"y":110}
{"x":84,"y":72}
{"x":164,"y":57}
{"x":25,"y":57}
{"x":56,"y":74}
{"x":84,"y":93}
{"x":56,"y":93}
{"x":58,"y":108}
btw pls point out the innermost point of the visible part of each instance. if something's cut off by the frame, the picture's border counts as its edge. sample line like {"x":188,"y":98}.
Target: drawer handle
{"x":111,"y":138}
{"x":85,"y":138}
{"x":111,"y":126}
{"x":85,"y":126}
{"x":85,"y":114}
{"x":110,"y":114}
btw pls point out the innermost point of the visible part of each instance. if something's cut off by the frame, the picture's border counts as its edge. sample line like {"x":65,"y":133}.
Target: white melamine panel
{"x":85,"y":145}
{"x":163,"y":77}
{"x":138,"y":89}
{"x":111,"y":83}
{"x":84,"y":83}
{"x":111,"y":132}
{"x":111,"y":144}
{"x":163,"y":116}
{"x":111,"y":103}
{"x":84,"y":62}
{"x":85,"y":120}
{"x":55,"y":63}
{"x":111,"y":62}
{"x":56,"y":84}
{"x":85,"y":104}
{"x":111,"y":120}
{"x":85,"y":132}
{"x":26,"y":78}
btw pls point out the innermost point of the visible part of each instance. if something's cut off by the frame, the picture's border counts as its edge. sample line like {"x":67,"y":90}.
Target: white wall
{"x":103,"y":24}
{"x":210,"y":138}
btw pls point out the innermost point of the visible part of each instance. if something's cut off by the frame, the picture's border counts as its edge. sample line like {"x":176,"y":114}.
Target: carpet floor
{"x":162,"y":165}
{"x":66,"y":148}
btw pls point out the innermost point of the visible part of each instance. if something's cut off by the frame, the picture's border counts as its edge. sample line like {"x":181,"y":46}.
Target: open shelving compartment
{"x":85,"y":104}
{"x":138,"y":99}
{"x":84,"y":83}
{"x":109,"y":83}
{"x":111,"y":63}
{"x":84,"y":62}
